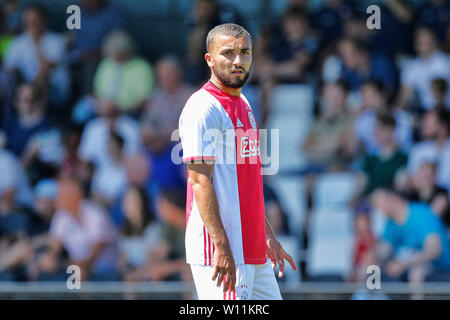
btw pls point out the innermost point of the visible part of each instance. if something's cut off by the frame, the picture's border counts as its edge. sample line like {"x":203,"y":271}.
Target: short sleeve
{"x":87,"y":149}
{"x":389,"y":233}
{"x":407,"y":75}
{"x":57,"y":226}
{"x":99,"y":228}
{"x":200,"y":128}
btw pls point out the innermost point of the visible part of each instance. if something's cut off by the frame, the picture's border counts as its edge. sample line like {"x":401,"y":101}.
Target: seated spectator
{"x":13,"y":177}
{"x":165,"y":173}
{"x":435,"y":146}
{"x":137,"y":169}
{"x":329,"y":145}
{"x":84,"y":230}
{"x":110,"y":178}
{"x":99,"y":18}
{"x":168,"y":99}
{"x":417,"y":75}
{"x":379,"y":170}
{"x":375,"y":100}
{"x":168,"y":261}
{"x":363,"y":245}
{"x":30,"y":119}
{"x":37,"y":55}
{"x":424,"y":189}
{"x":70,"y":164}
{"x":283,"y":54}
{"x":122,"y":76}
{"x":94,"y":140}
{"x":414,"y":243}
{"x":15,"y":248}
{"x":434,"y":14}
{"x":44,"y":265}
{"x":139,"y":236}
{"x":45,"y":194}
{"x":359,"y":66}
{"x":439,"y":90}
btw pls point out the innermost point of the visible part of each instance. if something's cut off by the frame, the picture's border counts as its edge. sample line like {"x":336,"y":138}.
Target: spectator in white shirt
{"x":435,"y":148}
{"x":416,"y":76}
{"x":375,"y":101}
{"x":140,"y":234}
{"x":85,"y":231}
{"x":94,"y":140}
{"x":110,"y":178}
{"x":38,"y":55}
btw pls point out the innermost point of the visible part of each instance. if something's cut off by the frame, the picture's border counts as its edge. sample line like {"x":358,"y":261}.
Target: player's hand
{"x":276,"y":254}
{"x":224,"y":269}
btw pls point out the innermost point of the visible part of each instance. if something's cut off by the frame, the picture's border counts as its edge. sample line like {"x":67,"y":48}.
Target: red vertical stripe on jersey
{"x":209,"y":250}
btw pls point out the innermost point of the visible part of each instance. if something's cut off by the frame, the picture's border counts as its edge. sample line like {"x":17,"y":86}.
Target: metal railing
{"x":186,"y":290}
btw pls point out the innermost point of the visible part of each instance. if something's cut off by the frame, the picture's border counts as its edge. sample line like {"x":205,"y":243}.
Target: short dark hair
{"x":386,"y":120}
{"x":440,"y":84}
{"x":359,"y":45}
{"x":379,"y":86}
{"x":39,"y":9}
{"x":227,"y":29}
{"x":295,"y":13}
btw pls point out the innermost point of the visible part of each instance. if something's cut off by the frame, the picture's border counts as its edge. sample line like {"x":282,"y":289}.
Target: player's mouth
{"x":238,"y":72}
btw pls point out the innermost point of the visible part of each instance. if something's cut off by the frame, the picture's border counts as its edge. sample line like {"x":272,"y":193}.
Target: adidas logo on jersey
{"x":239,"y":123}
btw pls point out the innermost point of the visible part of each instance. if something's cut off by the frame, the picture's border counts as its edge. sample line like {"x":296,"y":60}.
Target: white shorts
{"x":253,"y":282}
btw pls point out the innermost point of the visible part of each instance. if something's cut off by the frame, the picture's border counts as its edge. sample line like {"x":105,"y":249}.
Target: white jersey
{"x":220,"y":127}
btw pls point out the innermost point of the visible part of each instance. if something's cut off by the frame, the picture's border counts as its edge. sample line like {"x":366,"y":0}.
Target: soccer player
{"x":229,"y":242}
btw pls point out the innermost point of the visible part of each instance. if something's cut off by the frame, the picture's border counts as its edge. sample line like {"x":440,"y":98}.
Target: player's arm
{"x":208,"y":207}
{"x":275,"y":251}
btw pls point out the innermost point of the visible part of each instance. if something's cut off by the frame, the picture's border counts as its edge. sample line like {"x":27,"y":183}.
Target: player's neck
{"x":233,"y":91}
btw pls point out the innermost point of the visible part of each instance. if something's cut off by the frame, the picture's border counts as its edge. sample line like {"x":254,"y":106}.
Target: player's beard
{"x":229,"y":82}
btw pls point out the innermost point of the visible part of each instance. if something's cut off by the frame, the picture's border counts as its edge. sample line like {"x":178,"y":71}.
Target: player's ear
{"x":209,"y":60}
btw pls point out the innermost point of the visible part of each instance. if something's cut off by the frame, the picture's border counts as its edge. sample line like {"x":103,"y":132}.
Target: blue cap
{"x":47,"y":189}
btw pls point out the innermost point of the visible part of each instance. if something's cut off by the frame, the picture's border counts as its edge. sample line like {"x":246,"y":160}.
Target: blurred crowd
{"x":86,"y":123}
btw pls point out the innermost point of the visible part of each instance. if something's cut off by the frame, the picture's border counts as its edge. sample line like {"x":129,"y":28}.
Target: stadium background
{"x":320,"y":77}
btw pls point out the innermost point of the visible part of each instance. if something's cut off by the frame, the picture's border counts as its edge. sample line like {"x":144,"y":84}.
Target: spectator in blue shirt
{"x":414,"y":243}
{"x":30,"y":119}
{"x":359,"y":65}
